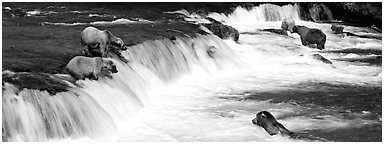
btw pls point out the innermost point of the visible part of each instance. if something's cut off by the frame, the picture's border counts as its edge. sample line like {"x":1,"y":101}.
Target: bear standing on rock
{"x":310,"y":36}
{"x":97,"y":42}
{"x":81,"y":67}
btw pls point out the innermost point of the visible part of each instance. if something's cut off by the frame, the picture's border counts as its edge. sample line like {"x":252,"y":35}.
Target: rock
{"x":277,"y":31}
{"x":40,"y":81}
{"x":221,"y":30}
{"x":357,"y":13}
{"x":304,"y":11}
{"x":321,"y":58}
{"x":172,"y":38}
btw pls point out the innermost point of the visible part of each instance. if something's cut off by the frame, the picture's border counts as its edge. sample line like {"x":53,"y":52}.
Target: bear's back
{"x":316,"y":34}
{"x":82,"y":64}
{"x":310,"y":33}
{"x":92,"y":34}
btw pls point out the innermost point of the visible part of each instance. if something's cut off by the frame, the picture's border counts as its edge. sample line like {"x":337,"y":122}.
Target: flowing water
{"x":174,"y":91}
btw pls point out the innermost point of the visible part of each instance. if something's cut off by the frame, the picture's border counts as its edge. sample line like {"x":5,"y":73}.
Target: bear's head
{"x":287,"y":24}
{"x":267,"y":121}
{"x":295,"y":29}
{"x":120,"y":44}
{"x":115,"y":41}
{"x":211,"y":51}
{"x":337,"y":28}
{"x":109,"y":65}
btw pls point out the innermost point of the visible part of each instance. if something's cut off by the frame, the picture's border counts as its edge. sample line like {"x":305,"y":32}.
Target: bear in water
{"x":269,"y":123}
{"x":310,"y":36}
{"x":288,"y":24}
{"x":81,"y":67}
{"x":211,"y":51}
{"x":99,"y":42}
{"x":337,"y":29}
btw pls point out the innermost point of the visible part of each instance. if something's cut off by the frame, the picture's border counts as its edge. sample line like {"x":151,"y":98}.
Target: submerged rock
{"x":221,"y":30}
{"x":321,"y":58}
{"x":277,"y":31}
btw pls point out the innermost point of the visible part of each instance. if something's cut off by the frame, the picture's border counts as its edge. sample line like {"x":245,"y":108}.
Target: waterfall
{"x":33,"y":115}
{"x":103,"y":107}
{"x":259,"y":14}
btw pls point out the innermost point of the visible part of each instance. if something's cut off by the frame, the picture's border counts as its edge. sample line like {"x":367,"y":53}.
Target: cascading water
{"x":33,"y":115}
{"x":174,"y":90}
{"x":100,"y":107}
{"x":258,"y":15}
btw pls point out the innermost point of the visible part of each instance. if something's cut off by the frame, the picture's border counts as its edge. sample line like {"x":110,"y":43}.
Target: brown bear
{"x":266,"y":120}
{"x":81,"y":67}
{"x":310,"y":36}
{"x":99,"y":42}
{"x":288,"y":24}
{"x":337,"y":28}
{"x":211,"y":51}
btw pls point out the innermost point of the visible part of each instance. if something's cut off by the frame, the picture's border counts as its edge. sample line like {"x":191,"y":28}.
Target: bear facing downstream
{"x":310,"y":36}
{"x":81,"y":67}
{"x":99,"y":42}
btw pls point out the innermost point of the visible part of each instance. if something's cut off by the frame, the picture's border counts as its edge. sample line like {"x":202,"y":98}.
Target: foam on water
{"x":120,"y":21}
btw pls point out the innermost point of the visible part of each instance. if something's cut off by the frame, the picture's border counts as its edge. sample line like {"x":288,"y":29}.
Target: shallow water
{"x":173,"y":91}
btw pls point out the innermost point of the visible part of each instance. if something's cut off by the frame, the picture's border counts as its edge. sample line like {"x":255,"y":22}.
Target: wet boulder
{"x":221,"y":30}
{"x":321,"y":58}
{"x":276,"y":31}
{"x":39,"y":81}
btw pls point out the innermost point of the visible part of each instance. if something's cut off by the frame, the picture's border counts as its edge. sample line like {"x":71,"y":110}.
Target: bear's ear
{"x":108,"y":63}
{"x":294,"y":28}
